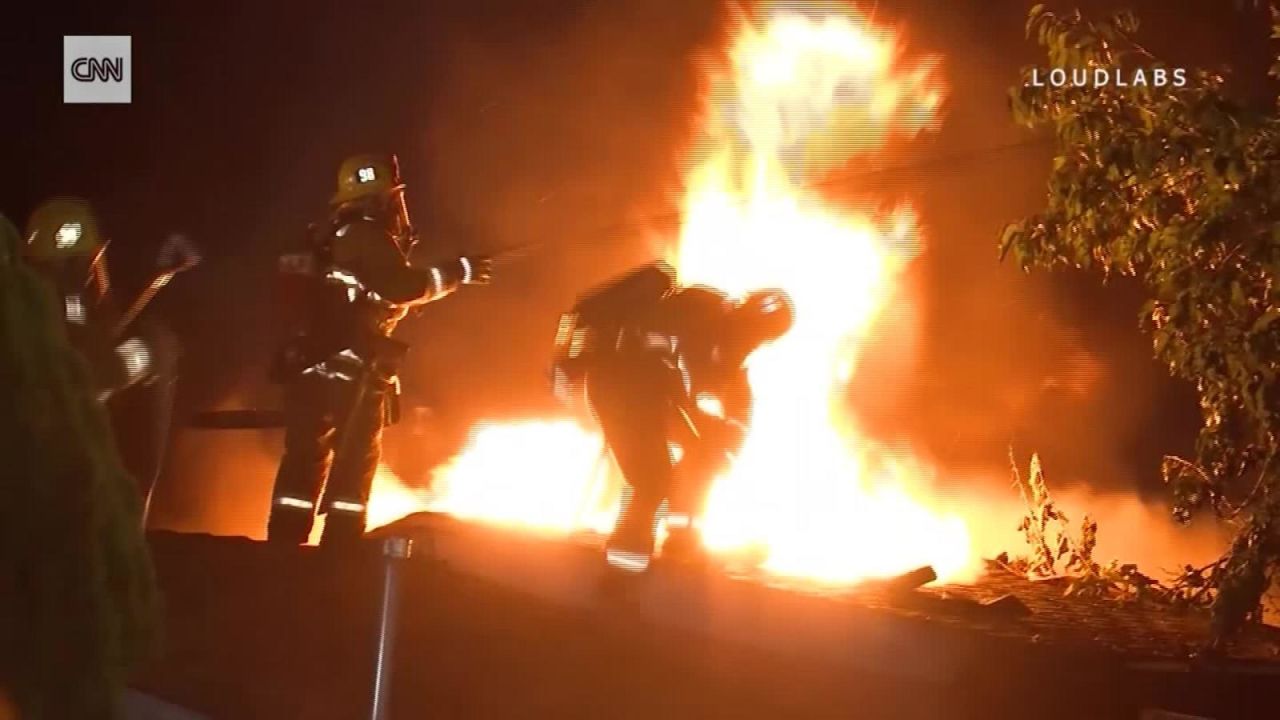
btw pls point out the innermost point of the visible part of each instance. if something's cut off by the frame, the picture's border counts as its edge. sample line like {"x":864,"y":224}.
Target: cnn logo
{"x":97,"y":69}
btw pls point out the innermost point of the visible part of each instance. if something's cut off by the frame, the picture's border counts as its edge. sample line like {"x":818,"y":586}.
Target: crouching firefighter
{"x":65,"y":244}
{"x":663,"y":369}
{"x":340,"y":370}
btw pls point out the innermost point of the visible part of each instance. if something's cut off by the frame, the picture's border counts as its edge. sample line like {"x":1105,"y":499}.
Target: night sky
{"x":561,"y":121}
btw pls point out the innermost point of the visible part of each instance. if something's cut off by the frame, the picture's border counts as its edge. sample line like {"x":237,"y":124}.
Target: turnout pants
{"x":333,"y":441}
{"x":634,"y":407}
{"x":638,"y":411}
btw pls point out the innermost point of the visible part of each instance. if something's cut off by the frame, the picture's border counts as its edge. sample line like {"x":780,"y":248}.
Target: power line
{"x":938,"y":162}
{"x":941,"y":161}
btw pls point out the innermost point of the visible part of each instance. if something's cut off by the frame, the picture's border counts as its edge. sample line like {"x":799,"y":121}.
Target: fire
{"x":541,"y":475}
{"x":798,"y":97}
{"x":802,"y":96}
{"x":390,"y":499}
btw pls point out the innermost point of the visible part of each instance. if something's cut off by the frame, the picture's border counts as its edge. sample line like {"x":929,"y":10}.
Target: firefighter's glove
{"x":570,"y":392}
{"x":163,"y":350}
{"x":562,"y":386}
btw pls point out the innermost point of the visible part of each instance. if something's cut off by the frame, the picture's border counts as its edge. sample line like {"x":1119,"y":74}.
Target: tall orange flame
{"x":799,"y":96}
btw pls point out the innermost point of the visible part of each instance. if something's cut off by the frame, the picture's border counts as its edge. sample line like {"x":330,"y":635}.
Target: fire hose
{"x":178,"y":255}
{"x":263,"y":419}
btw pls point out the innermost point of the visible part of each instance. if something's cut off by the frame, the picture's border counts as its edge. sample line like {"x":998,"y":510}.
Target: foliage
{"x":79,"y":601}
{"x":1055,"y":551}
{"x":1175,"y":187}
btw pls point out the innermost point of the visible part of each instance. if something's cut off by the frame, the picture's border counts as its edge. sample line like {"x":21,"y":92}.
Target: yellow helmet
{"x":363,"y":176}
{"x":61,"y":228}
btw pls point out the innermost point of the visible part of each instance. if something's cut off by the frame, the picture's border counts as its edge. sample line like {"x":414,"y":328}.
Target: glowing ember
{"x":801,"y":95}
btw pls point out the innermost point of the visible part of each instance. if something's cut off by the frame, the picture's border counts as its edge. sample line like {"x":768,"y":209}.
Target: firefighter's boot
{"x":630,"y":546}
{"x":289,"y":525}
{"x":342,"y":530}
{"x":683,"y":544}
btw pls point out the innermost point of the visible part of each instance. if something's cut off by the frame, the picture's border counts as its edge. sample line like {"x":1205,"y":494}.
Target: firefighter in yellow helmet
{"x":65,"y":243}
{"x":340,"y":370}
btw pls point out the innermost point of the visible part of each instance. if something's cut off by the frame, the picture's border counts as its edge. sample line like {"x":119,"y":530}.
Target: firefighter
{"x":64,"y":243}
{"x":340,"y":371}
{"x":663,"y":372}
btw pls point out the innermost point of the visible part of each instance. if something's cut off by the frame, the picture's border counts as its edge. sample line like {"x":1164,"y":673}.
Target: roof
{"x":1040,"y":612}
{"x":502,"y":624}
{"x":1037,"y":613}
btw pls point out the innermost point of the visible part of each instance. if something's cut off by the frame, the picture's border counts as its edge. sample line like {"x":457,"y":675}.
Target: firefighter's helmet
{"x":700,"y":301}
{"x":364,"y":176}
{"x":63,"y":228}
{"x":765,"y":316}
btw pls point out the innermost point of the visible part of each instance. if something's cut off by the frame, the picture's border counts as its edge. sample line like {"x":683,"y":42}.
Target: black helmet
{"x":764,"y":316}
{"x":700,"y":301}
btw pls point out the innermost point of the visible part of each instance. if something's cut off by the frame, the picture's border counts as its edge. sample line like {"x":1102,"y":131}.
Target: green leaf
{"x":1034,"y":21}
{"x":1125,"y":21}
{"x":1264,"y":322}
